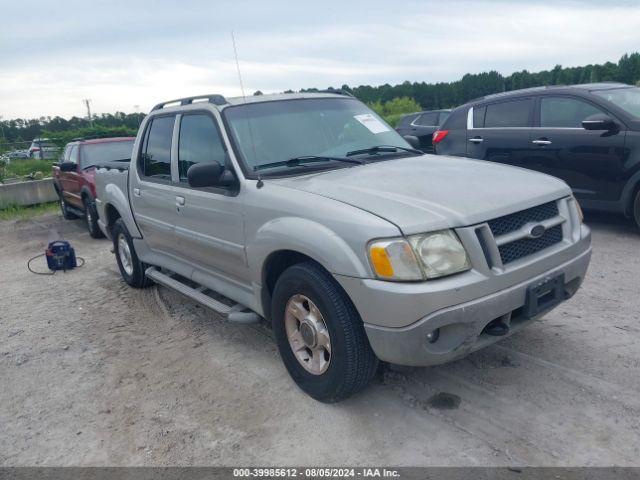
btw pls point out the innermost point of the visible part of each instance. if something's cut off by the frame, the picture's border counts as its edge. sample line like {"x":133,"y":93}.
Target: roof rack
{"x":337,"y":91}
{"x":214,"y":98}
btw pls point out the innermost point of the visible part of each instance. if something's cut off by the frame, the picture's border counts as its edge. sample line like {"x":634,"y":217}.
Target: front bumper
{"x":461,"y":326}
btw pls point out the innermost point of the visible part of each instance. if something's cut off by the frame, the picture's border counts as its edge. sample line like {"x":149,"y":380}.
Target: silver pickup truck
{"x":310,"y":211}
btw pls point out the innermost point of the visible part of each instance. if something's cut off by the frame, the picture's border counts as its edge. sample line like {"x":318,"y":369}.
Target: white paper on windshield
{"x":372,"y":123}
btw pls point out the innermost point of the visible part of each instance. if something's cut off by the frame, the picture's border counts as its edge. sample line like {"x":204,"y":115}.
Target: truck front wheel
{"x":66,"y":213}
{"x":320,"y":335}
{"x":91,"y":217}
{"x":131,"y":268}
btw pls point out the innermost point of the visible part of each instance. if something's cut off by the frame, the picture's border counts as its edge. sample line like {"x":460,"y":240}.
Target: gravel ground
{"x":96,"y":373}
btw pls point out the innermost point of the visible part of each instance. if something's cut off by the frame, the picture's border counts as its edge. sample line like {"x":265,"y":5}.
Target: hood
{"x":433,"y":192}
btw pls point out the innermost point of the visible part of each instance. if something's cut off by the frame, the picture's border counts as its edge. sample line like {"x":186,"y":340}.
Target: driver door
{"x":209,"y":226}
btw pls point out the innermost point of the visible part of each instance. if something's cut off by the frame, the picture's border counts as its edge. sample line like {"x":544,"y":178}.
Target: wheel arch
{"x":286,"y":241}
{"x":629,"y":192}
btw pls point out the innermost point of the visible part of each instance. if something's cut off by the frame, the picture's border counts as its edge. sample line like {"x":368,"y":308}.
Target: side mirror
{"x":210,"y":174}
{"x":413,"y":141}
{"x":599,"y":121}
{"x":68,"y":167}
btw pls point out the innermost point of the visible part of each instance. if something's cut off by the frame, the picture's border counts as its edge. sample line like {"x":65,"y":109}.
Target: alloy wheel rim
{"x":124,"y":253}
{"x":308,"y":334}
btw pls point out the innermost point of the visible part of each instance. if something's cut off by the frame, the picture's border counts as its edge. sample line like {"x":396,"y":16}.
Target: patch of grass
{"x":20,"y":168}
{"x":12,"y":212}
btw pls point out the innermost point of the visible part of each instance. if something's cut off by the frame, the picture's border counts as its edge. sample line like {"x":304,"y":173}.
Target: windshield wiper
{"x":383,"y":149}
{"x":297,"y":161}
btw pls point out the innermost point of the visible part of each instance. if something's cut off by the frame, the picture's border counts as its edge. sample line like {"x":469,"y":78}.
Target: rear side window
{"x":199,"y":142}
{"x":515,"y":113}
{"x":457,"y":120}
{"x":406,"y":120}
{"x":156,"y":157}
{"x":443,"y":116}
{"x":478,"y":116}
{"x":427,"y":120}
{"x":565,"y":112}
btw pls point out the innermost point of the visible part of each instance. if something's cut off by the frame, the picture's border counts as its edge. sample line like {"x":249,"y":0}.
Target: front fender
{"x":309,"y":238}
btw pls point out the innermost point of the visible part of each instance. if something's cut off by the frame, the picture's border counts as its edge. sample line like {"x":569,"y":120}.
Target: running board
{"x":233,"y":313}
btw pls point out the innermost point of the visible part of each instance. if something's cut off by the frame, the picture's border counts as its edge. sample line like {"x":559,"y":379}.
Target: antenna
{"x":260,"y":183}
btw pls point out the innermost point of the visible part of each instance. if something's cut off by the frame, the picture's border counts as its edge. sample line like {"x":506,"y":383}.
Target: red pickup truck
{"x":74,"y":175}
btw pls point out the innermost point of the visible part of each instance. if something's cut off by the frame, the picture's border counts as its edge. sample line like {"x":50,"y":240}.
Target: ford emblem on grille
{"x":537,"y":231}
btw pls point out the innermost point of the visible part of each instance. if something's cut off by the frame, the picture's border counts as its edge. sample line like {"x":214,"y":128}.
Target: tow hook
{"x":498,"y":327}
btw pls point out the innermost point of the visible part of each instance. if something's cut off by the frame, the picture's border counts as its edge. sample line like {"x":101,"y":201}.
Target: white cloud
{"x":123,"y":55}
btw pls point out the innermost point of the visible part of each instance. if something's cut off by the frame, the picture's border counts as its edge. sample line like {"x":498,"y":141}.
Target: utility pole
{"x":137,"y":109}
{"x":87,"y":101}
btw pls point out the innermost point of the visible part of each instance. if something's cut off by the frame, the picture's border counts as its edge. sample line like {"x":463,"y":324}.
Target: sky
{"x":129,"y":55}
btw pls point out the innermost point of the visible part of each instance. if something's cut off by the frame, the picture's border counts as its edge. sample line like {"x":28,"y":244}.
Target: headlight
{"x":422,"y":257}
{"x":394,"y":260}
{"x":441,"y":253}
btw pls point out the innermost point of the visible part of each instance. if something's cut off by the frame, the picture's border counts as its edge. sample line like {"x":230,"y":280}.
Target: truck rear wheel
{"x":320,"y":335}
{"x":131,"y":268}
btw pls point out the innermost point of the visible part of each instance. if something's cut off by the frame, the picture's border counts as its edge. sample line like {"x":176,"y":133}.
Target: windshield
{"x":276,"y":131}
{"x":626,"y":98}
{"x":97,"y":153}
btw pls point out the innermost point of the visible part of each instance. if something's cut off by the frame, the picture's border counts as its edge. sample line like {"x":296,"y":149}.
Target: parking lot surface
{"x":96,"y":373}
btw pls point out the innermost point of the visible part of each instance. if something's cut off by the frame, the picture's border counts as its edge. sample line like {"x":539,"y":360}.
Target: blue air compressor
{"x":60,"y":255}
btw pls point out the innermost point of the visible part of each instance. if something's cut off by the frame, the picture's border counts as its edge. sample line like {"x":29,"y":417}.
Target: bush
{"x":397,"y":106}
{"x":97,"y":131}
{"x":394,"y":109}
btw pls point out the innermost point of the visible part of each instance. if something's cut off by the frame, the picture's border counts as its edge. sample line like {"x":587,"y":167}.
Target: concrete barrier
{"x":27,"y":193}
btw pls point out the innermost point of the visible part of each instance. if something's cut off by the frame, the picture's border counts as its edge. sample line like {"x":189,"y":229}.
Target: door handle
{"x":136,"y":192}
{"x":179,"y":201}
{"x":476,"y":140}
{"x":541,"y":141}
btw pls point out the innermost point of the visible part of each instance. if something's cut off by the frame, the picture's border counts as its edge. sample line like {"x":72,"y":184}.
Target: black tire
{"x":352,"y":363}
{"x":636,"y":209}
{"x":135,"y":277}
{"x":91,"y":217}
{"x":66,"y":214}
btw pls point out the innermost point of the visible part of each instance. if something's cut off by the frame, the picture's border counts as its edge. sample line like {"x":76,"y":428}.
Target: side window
{"x":73,"y":154}
{"x":564,"y":112}
{"x":442,"y":117}
{"x":199,"y":142}
{"x":427,"y":120}
{"x":457,"y":120}
{"x":515,"y":113}
{"x":478,"y":116}
{"x":156,"y":155}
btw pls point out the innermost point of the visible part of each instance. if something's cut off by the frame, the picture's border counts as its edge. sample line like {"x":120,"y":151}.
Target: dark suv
{"x":422,"y":125}
{"x":587,"y":135}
